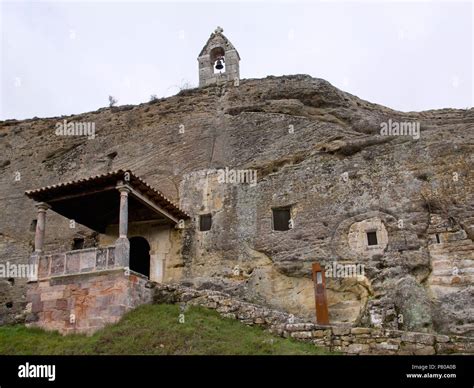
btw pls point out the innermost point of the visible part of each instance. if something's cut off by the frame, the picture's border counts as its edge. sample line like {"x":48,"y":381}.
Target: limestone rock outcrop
{"x":315,"y":149}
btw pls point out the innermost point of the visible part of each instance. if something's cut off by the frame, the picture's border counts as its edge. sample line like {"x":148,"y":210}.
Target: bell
{"x":219,"y":65}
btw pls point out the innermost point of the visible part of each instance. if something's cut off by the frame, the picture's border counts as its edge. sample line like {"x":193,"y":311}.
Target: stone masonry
{"x":345,"y":339}
{"x":84,"y":303}
{"x":218,"y":46}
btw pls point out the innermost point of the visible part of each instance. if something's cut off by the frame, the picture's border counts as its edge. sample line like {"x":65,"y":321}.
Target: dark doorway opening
{"x":140,"y":256}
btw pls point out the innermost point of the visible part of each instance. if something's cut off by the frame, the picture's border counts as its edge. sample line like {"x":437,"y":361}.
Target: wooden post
{"x":319,"y":279}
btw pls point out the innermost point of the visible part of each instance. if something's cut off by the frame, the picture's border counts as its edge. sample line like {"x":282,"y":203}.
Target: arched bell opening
{"x":217,"y":57}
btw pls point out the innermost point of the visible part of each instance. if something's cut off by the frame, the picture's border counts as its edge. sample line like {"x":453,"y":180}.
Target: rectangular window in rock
{"x":205,"y":222}
{"x":372,"y":238}
{"x":78,"y":243}
{"x":282,"y":218}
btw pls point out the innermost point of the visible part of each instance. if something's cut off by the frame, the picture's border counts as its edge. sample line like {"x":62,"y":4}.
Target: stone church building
{"x":240,"y":185}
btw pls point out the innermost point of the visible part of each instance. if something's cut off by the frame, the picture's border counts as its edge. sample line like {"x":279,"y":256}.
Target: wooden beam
{"x":152,"y":205}
{"x":81,"y":194}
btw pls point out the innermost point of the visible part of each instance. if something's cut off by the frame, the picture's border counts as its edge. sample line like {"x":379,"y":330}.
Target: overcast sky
{"x":63,"y":58}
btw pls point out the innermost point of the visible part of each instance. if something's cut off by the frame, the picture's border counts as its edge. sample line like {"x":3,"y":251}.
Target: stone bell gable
{"x":217,"y":52}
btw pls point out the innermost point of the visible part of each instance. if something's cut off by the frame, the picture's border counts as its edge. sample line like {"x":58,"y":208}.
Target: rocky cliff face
{"x":315,"y":149}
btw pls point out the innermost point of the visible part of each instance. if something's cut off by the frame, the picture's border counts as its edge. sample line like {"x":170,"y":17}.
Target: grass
{"x":154,"y":329}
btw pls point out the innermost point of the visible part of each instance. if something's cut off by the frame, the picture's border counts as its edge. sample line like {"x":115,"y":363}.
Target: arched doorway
{"x":140,"y":256}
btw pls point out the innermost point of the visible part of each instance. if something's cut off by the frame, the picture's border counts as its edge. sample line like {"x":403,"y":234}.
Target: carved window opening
{"x":372,"y":238}
{"x":205,"y":222}
{"x":78,"y":243}
{"x":282,"y":219}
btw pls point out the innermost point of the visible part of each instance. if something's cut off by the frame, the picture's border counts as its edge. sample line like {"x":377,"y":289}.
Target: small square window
{"x":281,"y":218}
{"x":205,"y":222}
{"x":372,"y":238}
{"x":78,"y":243}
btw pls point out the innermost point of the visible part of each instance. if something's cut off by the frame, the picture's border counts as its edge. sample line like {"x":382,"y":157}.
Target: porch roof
{"x":95,"y":201}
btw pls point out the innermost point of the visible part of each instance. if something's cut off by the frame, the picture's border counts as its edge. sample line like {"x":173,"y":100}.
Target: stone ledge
{"x":79,"y":274}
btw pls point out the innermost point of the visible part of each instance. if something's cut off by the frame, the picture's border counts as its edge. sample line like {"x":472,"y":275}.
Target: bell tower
{"x":218,"y":60}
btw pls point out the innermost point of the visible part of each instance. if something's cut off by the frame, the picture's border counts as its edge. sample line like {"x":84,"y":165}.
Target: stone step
{"x":441,"y":290}
{"x":462,"y":249}
{"x":455,"y":281}
{"x":449,"y":263}
{"x":456,"y":245}
{"x":449,"y":272}
{"x":465,"y":255}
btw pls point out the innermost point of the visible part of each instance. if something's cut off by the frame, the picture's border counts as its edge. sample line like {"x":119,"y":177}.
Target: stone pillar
{"x":39,"y":240}
{"x":122,"y":245}
{"x":40,"y":226}
{"x":123,"y":216}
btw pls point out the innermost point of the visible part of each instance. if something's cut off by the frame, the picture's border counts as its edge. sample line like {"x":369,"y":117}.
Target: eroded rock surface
{"x":314,"y":148}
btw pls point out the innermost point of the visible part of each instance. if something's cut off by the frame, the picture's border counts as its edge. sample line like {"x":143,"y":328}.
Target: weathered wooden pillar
{"x":122,"y":245}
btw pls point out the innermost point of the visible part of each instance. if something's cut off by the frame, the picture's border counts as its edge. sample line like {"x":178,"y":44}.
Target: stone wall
{"x":165,"y":244}
{"x":345,"y":339}
{"x":84,"y":303}
{"x":452,"y":277}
